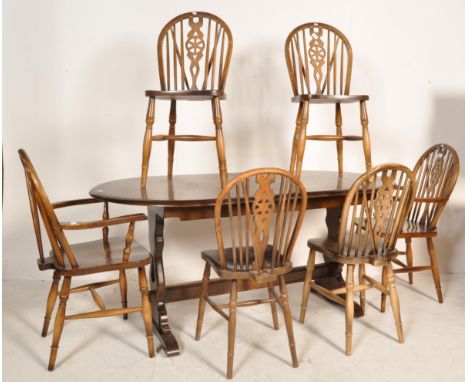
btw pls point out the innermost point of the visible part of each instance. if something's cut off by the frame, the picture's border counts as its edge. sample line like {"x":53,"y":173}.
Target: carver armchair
{"x":110,"y":254}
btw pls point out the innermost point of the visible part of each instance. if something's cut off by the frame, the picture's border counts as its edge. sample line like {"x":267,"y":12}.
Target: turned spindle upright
{"x":319,"y":59}
{"x":194,"y":51}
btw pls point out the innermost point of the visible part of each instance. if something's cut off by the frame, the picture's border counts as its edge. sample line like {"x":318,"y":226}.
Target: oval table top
{"x":203,"y":189}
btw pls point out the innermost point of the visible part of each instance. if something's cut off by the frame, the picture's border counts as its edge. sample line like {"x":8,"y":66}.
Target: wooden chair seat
{"x":331,"y":137}
{"x":329,"y":248}
{"x":413,"y":229}
{"x":186,"y":95}
{"x":229,"y":272}
{"x":325,"y":98}
{"x":94,"y":257}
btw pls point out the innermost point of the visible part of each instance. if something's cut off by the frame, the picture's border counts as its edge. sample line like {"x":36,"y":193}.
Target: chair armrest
{"x":103,"y":223}
{"x":186,"y":95}
{"x":75,"y":202}
{"x":323,"y":98}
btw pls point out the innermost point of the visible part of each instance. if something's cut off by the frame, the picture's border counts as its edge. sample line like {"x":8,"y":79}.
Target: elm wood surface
{"x":192,"y":197}
{"x":186,"y":95}
{"x":320,"y":98}
{"x":194,"y":52}
{"x":193,"y":192}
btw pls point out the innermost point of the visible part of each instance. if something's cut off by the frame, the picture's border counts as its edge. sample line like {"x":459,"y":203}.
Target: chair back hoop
{"x":41,"y":206}
{"x":374,"y":211}
{"x":260,"y":204}
{"x":319,"y":59}
{"x":194,"y":52}
{"x":436,"y":174}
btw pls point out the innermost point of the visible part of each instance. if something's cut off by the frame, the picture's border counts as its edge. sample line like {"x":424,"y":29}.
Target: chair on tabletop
{"x":436,"y":174}
{"x":319,"y":59}
{"x":194,"y":52}
{"x":247,"y":253}
{"x":373,"y":214}
{"x":83,"y":259}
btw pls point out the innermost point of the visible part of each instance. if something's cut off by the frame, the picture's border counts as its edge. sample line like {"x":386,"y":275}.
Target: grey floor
{"x":110,"y":349}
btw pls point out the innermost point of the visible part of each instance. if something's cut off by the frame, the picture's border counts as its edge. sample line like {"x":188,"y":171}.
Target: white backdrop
{"x":74,"y":75}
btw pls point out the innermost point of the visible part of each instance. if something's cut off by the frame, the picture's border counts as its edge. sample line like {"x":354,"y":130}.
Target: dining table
{"x":192,"y":197}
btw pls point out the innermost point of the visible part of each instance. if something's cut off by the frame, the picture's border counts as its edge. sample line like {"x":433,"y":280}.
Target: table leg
{"x":336,"y":281}
{"x":158,"y":283}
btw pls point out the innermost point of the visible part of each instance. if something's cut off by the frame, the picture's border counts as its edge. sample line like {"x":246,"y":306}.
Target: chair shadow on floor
{"x":248,"y":351}
{"x":316,"y":334}
{"x":357,"y":322}
{"x":70,"y":353}
{"x":268,"y":325}
{"x":186,"y":324}
{"x":402,"y":283}
{"x":314,"y":331}
{"x":31,"y":325}
{"x":22,"y":341}
{"x":211,"y":365}
{"x":102,"y":332}
{"x":378,"y":330}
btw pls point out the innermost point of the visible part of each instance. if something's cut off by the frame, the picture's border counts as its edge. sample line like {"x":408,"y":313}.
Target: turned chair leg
{"x":231,"y":328}
{"x":349,"y":308}
{"x":394,"y":300}
{"x":51,"y":299}
{"x":288,"y":320}
{"x":307,"y":281}
{"x":274,"y":312}
{"x":339,"y":132}
{"x":295,"y":142}
{"x":383,"y":301}
{"x":362,"y":280}
{"x":202,"y":302}
{"x":303,"y":120}
{"x":218,"y":122}
{"x":59,"y":319}
{"x":123,"y":291}
{"x":146,"y":310}
{"x":435,"y":268}
{"x":409,"y":258}
{"x":171,"y":142}
{"x":147,"y":141}
{"x":365,"y":134}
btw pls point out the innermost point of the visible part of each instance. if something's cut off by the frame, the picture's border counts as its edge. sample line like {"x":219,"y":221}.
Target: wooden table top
{"x":203,"y":189}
